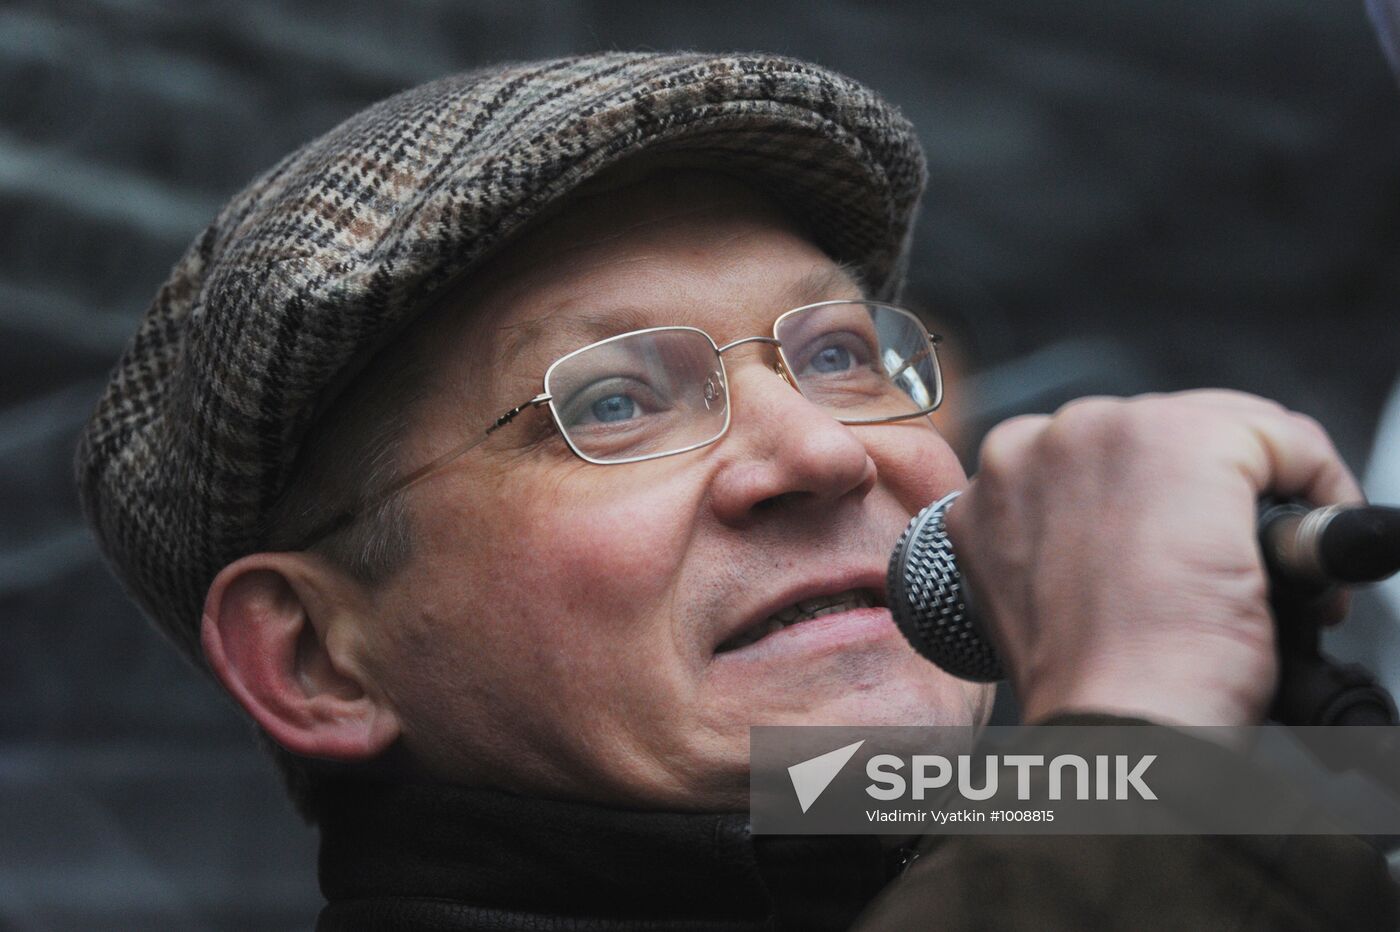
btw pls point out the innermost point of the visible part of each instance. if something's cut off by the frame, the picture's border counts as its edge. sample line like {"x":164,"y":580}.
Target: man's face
{"x":565,"y":629}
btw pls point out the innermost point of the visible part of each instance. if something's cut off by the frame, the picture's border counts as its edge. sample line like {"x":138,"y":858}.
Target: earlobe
{"x":267,"y":634}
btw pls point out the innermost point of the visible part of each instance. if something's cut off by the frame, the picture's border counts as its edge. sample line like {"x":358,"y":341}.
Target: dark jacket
{"x":403,"y":856}
{"x":400,"y":856}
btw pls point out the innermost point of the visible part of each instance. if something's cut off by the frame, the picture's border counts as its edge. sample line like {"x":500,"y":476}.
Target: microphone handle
{"x":1320,"y":547}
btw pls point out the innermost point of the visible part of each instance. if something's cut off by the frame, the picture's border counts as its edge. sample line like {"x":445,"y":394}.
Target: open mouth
{"x":798,"y":612}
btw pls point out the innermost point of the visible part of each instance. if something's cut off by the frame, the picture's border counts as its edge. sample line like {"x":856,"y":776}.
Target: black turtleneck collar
{"x":414,"y":856}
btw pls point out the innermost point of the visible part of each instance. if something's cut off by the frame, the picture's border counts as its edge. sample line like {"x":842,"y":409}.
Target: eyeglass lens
{"x":640,"y":394}
{"x":860,"y":362}
{"x":663,"y":391}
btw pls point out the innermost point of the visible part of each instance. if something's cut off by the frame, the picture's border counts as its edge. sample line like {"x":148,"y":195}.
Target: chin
{"x":894,"y":706}
{"x":899,"y":688}
{"x":924,"y":699}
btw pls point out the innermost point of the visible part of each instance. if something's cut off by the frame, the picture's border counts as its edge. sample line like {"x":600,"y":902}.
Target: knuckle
{"x":1005,"y":443}
{"x":1155,"y":426}
{"x":1230,"y":396}
{"x":1311,"y":428}
{"x":1090,"y":422}
{"x":1168,"y":413}
{"x":1086,"y":406}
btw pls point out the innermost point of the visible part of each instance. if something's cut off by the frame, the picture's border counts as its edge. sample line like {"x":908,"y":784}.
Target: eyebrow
{"x":582,"y":328}
{"x":838,"y":280}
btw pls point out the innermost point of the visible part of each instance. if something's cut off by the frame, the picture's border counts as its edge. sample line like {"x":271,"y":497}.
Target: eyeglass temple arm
{"x":344,"y":518}
{"x":427,"y":469}
{"x":933,"y":339}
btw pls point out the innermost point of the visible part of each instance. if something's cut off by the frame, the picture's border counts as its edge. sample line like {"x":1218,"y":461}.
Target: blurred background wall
{"x":1126,"y":195}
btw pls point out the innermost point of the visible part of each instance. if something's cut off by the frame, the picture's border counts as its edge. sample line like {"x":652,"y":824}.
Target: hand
{"x":1111,"y":550}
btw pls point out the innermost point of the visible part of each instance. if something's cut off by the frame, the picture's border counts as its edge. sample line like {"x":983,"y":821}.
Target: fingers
{"x":1291,"y":456}
{"x":1278,"y":451}
{"x":1118,"y":529}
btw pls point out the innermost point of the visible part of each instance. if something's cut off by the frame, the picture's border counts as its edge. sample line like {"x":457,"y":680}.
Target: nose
{"x":782,"y":451}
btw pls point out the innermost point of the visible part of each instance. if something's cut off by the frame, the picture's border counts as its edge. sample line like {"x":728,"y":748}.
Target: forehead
{"x":685,"y":248}
{"x":588,"y":321}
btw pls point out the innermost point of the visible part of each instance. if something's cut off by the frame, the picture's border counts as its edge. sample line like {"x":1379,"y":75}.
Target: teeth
{"x":824,"y":605}
{"x":803,"y":610}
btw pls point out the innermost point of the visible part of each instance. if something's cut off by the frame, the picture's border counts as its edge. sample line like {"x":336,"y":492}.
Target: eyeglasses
{"x":664,"y":390}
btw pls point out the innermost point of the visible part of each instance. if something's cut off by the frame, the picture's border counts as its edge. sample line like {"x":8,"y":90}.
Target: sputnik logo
{"x":811,"y":777}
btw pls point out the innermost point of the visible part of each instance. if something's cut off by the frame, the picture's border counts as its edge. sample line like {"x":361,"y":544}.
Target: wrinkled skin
{"x":557,"y":629}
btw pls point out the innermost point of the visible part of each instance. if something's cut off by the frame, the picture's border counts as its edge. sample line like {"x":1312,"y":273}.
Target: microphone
{"x":1305,"y":551}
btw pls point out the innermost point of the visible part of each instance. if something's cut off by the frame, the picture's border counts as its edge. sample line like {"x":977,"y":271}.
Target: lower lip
{"x":826,"y":634}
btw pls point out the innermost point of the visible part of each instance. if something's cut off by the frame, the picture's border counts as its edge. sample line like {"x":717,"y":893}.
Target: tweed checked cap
{"x":326,"y":255}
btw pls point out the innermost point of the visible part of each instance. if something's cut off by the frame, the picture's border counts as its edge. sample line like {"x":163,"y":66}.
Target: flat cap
{"x":326,"y":255}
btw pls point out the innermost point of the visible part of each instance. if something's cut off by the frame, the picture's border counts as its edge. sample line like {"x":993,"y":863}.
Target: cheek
{"x":915,"y":463}
{"x":611,"y":556}
{"x":584,"y":564}
{"x":540,"y":613}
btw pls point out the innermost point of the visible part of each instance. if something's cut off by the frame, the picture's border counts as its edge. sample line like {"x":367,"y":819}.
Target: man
{"x":509,"y":451}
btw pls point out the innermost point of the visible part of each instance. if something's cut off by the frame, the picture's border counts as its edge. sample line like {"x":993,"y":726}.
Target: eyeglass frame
{"x":428,"y":469}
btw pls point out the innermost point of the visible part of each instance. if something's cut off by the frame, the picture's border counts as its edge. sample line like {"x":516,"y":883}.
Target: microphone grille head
{"x":928,"y":603}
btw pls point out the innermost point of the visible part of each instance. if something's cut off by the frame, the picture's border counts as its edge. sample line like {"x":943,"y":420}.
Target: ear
{"x":279,"y":631}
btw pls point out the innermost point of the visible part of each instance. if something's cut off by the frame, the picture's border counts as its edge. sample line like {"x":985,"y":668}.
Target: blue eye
{"x":614,"y":408}
{"x":611,"y":403}
{"x":832,"y":359}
